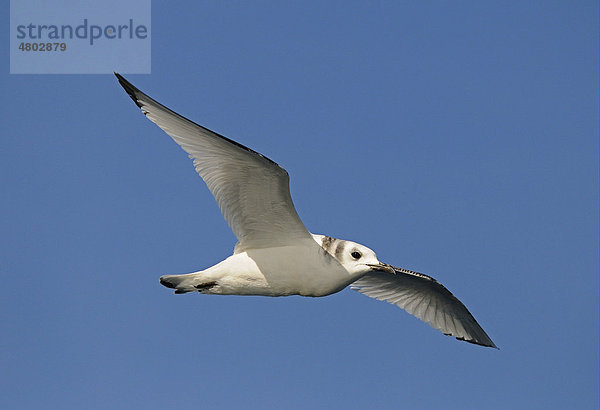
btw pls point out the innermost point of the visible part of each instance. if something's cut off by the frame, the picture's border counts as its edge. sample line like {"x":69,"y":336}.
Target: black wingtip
{"x":131,"y":90}
{"x":492,"y":345}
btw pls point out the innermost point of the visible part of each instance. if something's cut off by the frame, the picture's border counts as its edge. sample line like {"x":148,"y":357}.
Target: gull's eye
{"x":356,"y":255}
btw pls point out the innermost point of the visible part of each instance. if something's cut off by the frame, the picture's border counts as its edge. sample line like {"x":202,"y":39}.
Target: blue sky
{"x":458,"y":140}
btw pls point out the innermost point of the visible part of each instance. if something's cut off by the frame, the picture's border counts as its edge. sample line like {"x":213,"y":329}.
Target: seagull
{"x":275,"y":254}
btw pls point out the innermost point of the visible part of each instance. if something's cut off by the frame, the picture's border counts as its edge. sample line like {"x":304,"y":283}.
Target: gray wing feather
{"x":424,"y":297}
{"x":252,"y":191}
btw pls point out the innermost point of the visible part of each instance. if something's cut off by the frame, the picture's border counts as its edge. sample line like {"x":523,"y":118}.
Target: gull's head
{"x":357,"y":259}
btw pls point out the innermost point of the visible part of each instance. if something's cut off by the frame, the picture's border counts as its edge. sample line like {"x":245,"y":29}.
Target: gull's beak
{"x":383,"y":267}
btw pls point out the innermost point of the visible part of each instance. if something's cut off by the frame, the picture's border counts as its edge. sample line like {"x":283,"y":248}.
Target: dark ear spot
{"x":356,"y":255}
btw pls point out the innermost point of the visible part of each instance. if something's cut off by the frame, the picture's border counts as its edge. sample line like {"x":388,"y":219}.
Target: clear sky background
{"x":458,"y":140}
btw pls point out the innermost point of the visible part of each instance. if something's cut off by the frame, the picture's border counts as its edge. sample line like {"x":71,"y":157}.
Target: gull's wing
{"x":423,"y":297}
{"x":251,"y":190}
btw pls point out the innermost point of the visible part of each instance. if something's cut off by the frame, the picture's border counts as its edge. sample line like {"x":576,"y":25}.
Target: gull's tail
{"x":189,"y":282}
{"x":181,"y":283}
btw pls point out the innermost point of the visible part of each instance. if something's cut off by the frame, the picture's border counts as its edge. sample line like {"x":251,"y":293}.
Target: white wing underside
{"x":424,"y":297}
{"x":251,"y":190}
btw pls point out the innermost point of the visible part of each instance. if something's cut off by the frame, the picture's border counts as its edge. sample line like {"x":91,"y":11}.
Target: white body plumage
{"x":310,"y":270}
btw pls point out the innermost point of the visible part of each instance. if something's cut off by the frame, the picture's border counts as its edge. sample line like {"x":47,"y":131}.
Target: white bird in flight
{"x":276,"y":255}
